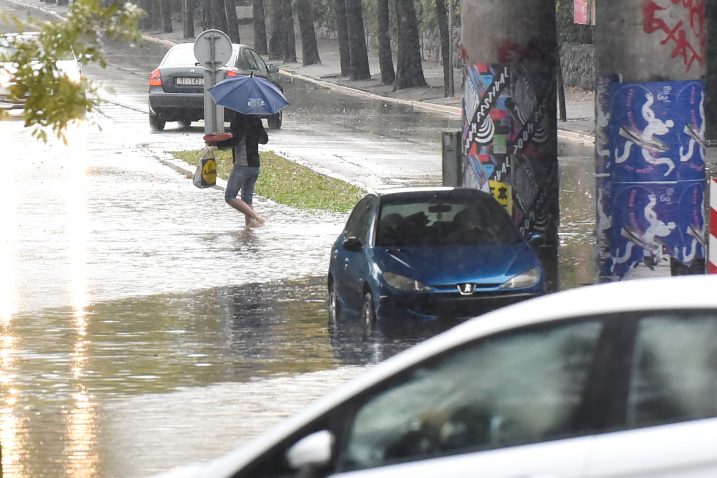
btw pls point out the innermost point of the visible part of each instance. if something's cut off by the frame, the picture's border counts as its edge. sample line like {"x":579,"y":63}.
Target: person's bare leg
{"x":255,"y":221}
{"x":248,"y":211}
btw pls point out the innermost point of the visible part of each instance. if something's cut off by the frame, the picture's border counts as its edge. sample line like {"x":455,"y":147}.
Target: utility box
{"x":452,"y":158}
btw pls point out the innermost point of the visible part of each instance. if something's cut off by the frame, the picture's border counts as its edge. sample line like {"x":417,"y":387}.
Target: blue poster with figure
{"x":650,"y":153}
{"x":656,"y":131}
{"x":643,"y":226}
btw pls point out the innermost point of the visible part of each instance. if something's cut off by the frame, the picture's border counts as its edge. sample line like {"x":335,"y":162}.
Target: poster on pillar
{"x":507,"y":147}
{"x":643,"y":229}
{"x":656,"y":131}
{"x":650,"y":163}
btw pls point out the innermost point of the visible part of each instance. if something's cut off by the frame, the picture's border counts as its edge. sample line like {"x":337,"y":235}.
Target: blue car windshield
{"x":444,"y":222}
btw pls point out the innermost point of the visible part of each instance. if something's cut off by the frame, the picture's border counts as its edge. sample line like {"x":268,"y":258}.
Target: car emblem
{"x":191,"y":71}
{"x":466,"y":289}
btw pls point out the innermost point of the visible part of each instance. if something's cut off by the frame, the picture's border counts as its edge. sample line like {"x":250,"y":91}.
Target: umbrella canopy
{"x":250,"y":95}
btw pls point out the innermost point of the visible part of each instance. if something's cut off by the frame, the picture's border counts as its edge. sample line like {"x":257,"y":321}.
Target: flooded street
{"x":120,"y":279}
{"x":143,"y":327}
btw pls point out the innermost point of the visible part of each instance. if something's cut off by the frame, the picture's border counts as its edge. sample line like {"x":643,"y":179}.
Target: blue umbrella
{"x":250,"y":95}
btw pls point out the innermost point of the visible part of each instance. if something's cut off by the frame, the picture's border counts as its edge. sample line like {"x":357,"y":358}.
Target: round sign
{"x":212,"y":49}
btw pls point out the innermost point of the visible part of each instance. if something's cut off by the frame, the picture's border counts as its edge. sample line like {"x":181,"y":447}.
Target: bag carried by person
{"x":205,"y":175}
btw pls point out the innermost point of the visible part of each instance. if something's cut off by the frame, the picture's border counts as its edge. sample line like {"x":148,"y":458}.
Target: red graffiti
{"x":696,"y":13}
{"x":677,"y":33}
{"x":510,"y":52}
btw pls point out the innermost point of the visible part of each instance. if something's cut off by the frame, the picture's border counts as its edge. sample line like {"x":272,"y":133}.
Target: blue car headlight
{"x":400,"y":282}
{"x":525,"y":279}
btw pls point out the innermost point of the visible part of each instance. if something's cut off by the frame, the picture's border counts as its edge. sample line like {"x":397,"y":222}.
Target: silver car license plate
{"x":190,"y":81}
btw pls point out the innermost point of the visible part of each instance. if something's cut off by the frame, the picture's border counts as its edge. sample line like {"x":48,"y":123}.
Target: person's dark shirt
{"x":251,"y":128}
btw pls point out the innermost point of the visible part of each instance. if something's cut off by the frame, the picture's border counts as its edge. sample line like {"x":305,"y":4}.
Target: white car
{"x":601,"y":381}
{"x":68,"y":66}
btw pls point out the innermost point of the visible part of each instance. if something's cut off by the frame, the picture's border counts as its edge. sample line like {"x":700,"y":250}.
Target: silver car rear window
{"x":179,"y":57}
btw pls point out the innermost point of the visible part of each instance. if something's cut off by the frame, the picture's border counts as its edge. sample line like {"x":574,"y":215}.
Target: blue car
{"x":429,"y":253}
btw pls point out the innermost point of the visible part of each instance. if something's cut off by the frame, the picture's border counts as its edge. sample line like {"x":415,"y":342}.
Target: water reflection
{"x":55,"y":396}
{"x":8,"y":239}
{"x":162,"y":342}
{"x":576,"y":253}
{"x":82,"y":459}
{"x":9,"y":422}
{"x":351,"y":344}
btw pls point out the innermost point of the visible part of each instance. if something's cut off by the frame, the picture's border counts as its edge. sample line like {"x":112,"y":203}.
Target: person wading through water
{"x":247,"y":134}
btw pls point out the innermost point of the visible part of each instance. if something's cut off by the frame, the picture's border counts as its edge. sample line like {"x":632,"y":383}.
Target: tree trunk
{"x":145,"y":23}
{"x":309,"y":48}
{"x":290,"y":45}
{"x":409,"y":70}
{"x":206,"y":14}
{"x":259,"y":27}
{"x":218,"y":15}
{"x":156,"y":15}
{"x":232,"y":22}
{"x":166,"y":14}
{"x":343,"y":34}
{"x":189,"y":18}
{"x":357,"y":41}
{"x":442,"y":17}
{"x":277,"y":38}
{"x":385,"y":57}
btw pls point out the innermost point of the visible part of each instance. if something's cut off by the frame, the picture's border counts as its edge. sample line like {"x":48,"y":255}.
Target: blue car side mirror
{"x":353,"y":244}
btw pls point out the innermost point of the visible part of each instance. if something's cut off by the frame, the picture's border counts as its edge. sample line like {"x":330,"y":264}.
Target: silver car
{"x":176,"y":86}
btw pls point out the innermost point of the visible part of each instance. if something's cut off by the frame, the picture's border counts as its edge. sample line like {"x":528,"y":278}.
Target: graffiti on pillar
{"x":507,"y":147}
{"x":681,"y":25}
{"x":486,"y":125}
{"x":650,"y":176}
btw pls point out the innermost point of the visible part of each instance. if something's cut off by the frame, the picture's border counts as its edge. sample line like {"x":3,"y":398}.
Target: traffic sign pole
{"x":212,"y":49}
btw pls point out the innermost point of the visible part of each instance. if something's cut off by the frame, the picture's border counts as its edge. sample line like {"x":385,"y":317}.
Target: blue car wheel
{"x":333,"y":305}
{"x":368,"y":314}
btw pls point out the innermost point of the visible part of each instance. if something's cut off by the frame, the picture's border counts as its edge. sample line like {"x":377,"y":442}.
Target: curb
{"x":179,"y":166}
{"x":576,"y":136}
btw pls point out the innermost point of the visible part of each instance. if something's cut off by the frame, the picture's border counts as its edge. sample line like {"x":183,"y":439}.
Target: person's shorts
{"x":242,"y":178}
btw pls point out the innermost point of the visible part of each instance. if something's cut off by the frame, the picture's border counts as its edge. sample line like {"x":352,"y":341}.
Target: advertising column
{"x":509,"y":53}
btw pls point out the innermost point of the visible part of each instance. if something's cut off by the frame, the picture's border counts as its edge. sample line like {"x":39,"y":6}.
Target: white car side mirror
{"x":311,"y":451}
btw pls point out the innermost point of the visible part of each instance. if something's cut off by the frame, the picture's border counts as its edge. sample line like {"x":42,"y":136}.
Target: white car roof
{"x":669,"y":293}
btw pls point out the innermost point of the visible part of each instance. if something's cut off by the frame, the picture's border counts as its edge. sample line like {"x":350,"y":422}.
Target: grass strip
{"x":288,"y":183}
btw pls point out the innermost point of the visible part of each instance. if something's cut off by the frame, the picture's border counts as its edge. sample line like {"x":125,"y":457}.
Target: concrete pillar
{"x":509,"y":51}
{"x":650,"y":129}
{"x":710,"y":7}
